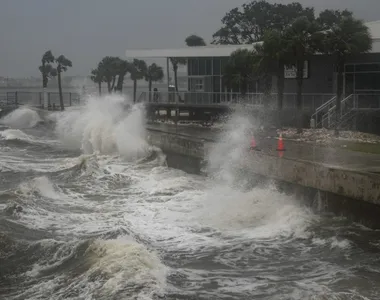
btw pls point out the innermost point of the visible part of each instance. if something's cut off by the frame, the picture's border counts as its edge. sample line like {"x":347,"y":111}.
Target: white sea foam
{"x":118,"y":268}
{"x":108,"y":125}
{"x":15,"y":134}
{"x":42,"y":185}
{"x":21,"y":118}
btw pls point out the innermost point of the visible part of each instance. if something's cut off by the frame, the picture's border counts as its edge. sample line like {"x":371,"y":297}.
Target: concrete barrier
{"x":347,"y":183}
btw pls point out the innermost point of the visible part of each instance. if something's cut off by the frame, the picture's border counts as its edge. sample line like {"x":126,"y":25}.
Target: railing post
{"x":70,"y":104}
{"x":48,"y":100}
{"x":16,"y":100}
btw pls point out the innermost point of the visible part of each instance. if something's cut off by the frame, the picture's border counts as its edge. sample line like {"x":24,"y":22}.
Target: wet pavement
{"x":267,"y":142}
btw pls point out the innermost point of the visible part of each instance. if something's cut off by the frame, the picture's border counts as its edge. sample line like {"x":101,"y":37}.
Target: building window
{"x":223,"y":64}
{"x":189,"y":66}
{"x":197,"y":84}
{"x":208,"y":66}
{"x":216,"y":84}
{"x":216,"y":66}
{"x":194,"y":67}
{"x":362,"y":77}
{"x":202,"y":66}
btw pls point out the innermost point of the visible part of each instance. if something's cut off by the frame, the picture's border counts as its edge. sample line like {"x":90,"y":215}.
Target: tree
{"x":109,"y":68}
{"x":62,"y":64}
{"x":46,"y":68}
{"x":274,"y":57}
{"x":122,"y":68}
{"x":241,"y":69}
{"x":138,"y":69}
{"x":346,"y":37}
{"x":329,"y":18}
{"x":176,"y":61}
{"x":98,"y":78}
{"x":300,"y":39}
{"x":248,"y":25}
{"x":194,"y":41}
{"x":154,"y":73}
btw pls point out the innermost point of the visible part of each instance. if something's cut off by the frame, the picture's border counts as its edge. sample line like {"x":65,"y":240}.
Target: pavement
{"x":329,"y":156}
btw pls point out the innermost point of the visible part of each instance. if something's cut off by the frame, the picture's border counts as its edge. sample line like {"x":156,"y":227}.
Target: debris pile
{"x":325,"y":136}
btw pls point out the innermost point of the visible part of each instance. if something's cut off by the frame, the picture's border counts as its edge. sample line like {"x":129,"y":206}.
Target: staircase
{"x":325,"y":115}
{"x":320,"y":112}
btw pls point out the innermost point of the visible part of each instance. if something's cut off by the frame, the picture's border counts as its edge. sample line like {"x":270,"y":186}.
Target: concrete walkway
{"x":334,"y":157}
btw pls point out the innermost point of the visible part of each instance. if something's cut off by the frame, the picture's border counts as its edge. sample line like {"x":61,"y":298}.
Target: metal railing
{"x":35,"y":99}
{"x":349,"y":106}
{"x":309,"y":101}
{"x":346,"y":107}
{"x":318,"y":116}
{"x":200,"y":98}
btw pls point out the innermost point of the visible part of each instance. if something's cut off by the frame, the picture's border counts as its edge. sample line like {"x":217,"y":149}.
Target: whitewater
{"x":90,"y":210}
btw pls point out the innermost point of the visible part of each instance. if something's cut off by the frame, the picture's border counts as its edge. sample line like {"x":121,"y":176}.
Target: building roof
{"x":225,"y":50}
{"x":202,"y":51}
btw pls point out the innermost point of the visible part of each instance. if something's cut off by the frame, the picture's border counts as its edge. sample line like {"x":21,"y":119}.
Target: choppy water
{"x":89,"y":211}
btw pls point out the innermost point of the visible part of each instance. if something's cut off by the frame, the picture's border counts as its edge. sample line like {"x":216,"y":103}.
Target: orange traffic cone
{"x":253,"y":143}
{"x":280,"y":145}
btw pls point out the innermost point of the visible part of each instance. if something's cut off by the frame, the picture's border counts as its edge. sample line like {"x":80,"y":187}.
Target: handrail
{"x":321,"y":109}
{"x":332,"y":111}
{"x":324,"y":105}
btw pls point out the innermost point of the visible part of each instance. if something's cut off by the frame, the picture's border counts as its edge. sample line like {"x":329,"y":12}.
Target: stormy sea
{"x":90,"y":210}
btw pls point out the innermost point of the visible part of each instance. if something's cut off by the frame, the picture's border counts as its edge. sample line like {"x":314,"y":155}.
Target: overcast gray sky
{"x":87,"y":30}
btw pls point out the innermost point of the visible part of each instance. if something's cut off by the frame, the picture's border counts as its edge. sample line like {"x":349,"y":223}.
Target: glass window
{"x":349,"y":84}
{"x":202,"y":66}
{"x":216,"y":84}
{"x":208,"y":66}
{"x":369,"y":81}
{"x":199,"y":87}
{"x":224,"y":62}
{"x":195,"y":67}
{"x":189,"y":66}
{"x":216,"y":66}
{"x":367,"y":68}
{"x":196,"y":84}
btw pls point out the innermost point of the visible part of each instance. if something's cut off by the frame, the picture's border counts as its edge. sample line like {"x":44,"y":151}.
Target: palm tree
{"x":241,"y":69}
{"x":176,"y":61}
{"x":194,"y":41}
{"x":123,"y":67}
{"x":109,"y":68}
{"x":47,"y":72}
{"x":46,"y":67}
{"x":300,"y":40}
{"x":138,"y":69}
{"x":347,"y":37}
{"x":62,"y":64}
{"x":154,"y":73}
{"x":274,"y":57}
{"x":97,"y":77}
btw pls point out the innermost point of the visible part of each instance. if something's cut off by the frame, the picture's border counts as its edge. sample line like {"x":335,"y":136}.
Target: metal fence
{"x":310,"y":101}
{"x":36,"y":99}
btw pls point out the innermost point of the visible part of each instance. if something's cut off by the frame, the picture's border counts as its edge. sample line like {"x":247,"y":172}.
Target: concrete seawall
{"x":338,"y":189}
